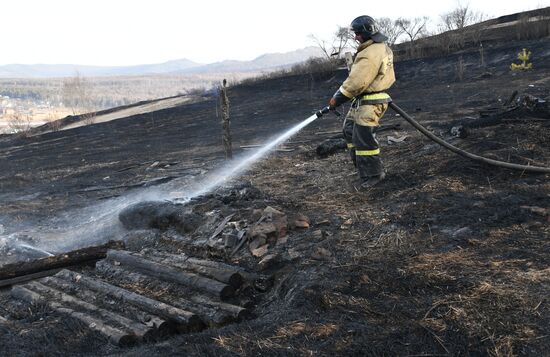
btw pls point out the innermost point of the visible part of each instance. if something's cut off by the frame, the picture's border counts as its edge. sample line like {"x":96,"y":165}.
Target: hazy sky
{"x":126,"y":32}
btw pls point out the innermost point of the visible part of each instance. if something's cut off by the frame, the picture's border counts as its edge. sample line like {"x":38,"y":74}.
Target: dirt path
{"x":145,"y":108}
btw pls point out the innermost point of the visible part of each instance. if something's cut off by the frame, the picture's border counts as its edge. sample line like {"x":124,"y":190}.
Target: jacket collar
{"x":364,"y":45}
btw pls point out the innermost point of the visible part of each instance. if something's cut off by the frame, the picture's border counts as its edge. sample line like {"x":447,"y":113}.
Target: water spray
{"x":99,"y":223}
{"x":238,"y":166}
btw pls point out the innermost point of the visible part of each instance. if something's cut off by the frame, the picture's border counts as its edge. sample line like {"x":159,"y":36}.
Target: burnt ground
{"x":447,"y":257}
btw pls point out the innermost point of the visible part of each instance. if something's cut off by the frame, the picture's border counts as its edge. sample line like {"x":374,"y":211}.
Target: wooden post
{"x":225,"y":121}
{"x":482,"y":55}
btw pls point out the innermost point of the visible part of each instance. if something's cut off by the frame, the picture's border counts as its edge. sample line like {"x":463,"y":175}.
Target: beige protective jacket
{"x":372,"y":70}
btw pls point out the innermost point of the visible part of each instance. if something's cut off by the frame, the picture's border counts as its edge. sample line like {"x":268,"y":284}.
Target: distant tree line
{"x":94,"y":93}
{"x":452,"y":31}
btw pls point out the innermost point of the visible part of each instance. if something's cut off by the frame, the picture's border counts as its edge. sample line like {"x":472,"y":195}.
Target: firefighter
{"x":370,"y":76}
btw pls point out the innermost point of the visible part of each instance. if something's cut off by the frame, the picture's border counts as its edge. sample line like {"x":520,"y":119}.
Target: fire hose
{"x":431,"y":136}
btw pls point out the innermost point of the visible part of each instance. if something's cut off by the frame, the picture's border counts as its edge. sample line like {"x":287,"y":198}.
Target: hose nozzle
{"x":326,"y":110}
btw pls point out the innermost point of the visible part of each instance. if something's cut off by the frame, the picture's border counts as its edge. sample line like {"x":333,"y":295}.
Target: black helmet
{"x":366,"y":27}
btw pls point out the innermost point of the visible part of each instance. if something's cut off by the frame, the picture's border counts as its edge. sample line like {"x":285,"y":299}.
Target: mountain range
{"x":265,"y":62}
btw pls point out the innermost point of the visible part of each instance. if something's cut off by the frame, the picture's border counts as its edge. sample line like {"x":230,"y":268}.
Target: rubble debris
{"x":515,"y":108}
{"x":273,"y":226}
{"x":301,"y":224}
{"x":321,"y":254}
{"x":318,"y":234}
{"x":260,"y":251}
{"x":221,"y":226}
{"x":301,"y":221}
{"x":136,"y":240}
{"x":461,"y":232}
{"x":396,"y":140}
{"x":159,"y":215}
{"x":268,"y":261}
{"x":330,"y":147}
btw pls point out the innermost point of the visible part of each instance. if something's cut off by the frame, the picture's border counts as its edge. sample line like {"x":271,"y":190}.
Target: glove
{"x":337,"y":100}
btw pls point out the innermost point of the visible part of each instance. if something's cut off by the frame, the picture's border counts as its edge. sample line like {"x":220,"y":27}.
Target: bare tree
{"x":19,"y":123}
{"x":340,"y":40}
{"x":413,"y":28}
{"x":461,"y":17}
{"x":390,"y":28}
{"x":77,"y":96}
{"x":75,"y":93}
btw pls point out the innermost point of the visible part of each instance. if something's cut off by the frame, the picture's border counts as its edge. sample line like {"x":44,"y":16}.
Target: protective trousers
{"x":359,"y":131}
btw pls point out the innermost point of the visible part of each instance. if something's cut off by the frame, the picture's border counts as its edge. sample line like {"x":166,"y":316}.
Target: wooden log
{"x":216,"y":288}
{"x":140,"y":330}
{"x":75,"y":257}
{"x":159,"y":325}
{"x":221,"y":226}
{"x":250,"y":277}
{"x":25,"y":278}
{"x":224,"y":275}
{"x":212,"y":316}
{"x":235,"y":311}
{"x":184,"y":320}
{"x":115,"y":335}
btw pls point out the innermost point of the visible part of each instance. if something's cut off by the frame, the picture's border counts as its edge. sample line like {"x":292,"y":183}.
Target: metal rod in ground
{"x":461,"y":152}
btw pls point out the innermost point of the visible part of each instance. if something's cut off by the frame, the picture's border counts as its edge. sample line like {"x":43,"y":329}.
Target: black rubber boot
{"x":347,"y":130}
{"x":372,"y":181}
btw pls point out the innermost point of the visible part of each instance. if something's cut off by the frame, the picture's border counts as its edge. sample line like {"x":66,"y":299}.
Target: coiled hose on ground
{"x":461,"y":152}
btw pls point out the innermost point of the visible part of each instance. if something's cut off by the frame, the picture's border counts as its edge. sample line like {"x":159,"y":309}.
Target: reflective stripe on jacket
{"x":374,"y":98}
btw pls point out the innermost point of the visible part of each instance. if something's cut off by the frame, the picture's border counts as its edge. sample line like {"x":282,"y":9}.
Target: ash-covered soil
{"x":446,"y":257}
